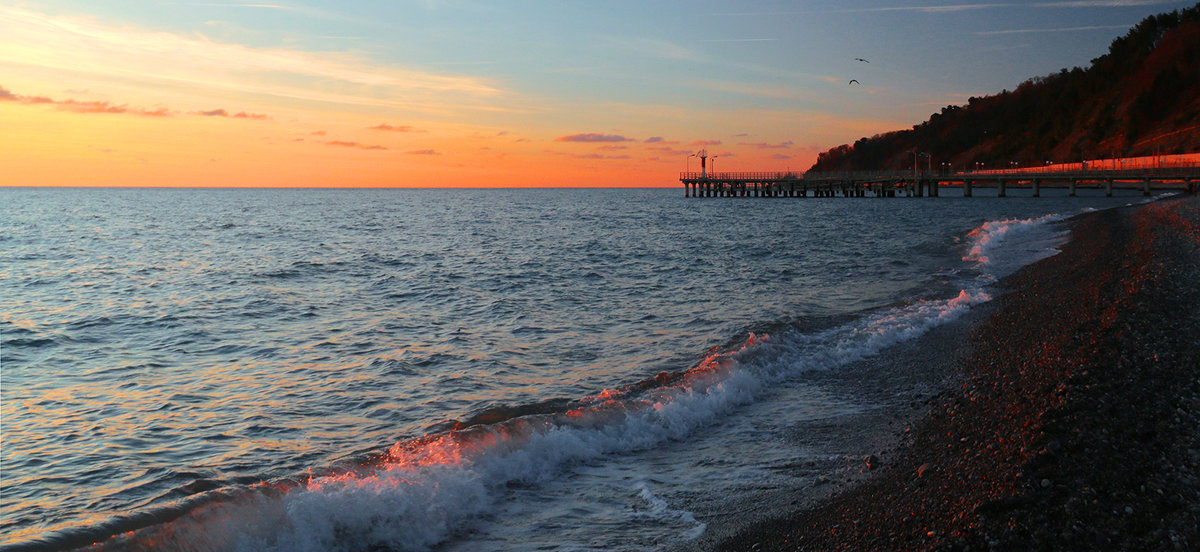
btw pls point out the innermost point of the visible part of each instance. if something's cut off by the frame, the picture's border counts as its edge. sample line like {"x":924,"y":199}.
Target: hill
{"x":1141,"y":98}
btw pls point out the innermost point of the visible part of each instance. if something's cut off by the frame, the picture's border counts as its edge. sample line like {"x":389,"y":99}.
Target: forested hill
{"x":1141,"y":98}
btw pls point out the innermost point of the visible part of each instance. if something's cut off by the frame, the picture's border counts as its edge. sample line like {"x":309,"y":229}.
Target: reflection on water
{"x":164,"y":345}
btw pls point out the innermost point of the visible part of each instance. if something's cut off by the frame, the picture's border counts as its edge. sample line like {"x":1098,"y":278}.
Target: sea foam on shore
{"x":1077,"y":421}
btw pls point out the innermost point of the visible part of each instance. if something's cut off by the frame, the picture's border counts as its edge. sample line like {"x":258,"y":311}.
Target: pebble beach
{"x":1068,"y":419}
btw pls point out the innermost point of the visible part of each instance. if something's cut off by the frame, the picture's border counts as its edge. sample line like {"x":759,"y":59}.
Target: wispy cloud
{"x":345,"y":144}
{"x":651,"y":47}
{"x":238,"y":115}
{"x":393,"y":128}
{"x":1102,"y":3}
{"x":927,"y":9}
{"x":671,"y":151}
{"x":764,"y":145}
{"x":84,"y":46}
{"x":740,"y":40}
{"x":84,"y":106}
{"x":757,"y":90}
{"x":1058,"y":30}
{"x":323,"y":15}
{"x":592,"y":137}
{"x":423,"y":152}
{"x":950,"y":8}
{"x":598,"y":156}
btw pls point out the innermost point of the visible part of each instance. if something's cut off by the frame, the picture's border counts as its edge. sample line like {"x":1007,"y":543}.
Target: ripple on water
{"x":162,"y":345}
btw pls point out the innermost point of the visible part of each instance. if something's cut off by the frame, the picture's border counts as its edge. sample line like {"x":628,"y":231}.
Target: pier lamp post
{"x":712,"y":165}
{"x":687,"y":164}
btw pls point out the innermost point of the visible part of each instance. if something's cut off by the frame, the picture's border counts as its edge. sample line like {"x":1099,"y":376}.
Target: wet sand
{"x":1064,"y":415}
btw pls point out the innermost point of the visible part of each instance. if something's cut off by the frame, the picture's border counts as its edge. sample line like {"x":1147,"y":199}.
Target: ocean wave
{"x":421,"y":491}
{"x":1000,"y":247}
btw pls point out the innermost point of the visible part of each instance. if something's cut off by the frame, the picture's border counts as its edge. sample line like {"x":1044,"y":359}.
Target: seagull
{"x":862,"y":60}
{"x":854,"y":81}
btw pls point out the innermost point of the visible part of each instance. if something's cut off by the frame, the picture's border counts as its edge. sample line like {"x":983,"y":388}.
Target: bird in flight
{"x":862,"y":60}
{"x":853,"y":81}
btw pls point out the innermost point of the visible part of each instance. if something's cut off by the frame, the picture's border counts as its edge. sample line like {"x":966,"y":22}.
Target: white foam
{"x":426,"y":490}
{"x":999,"y":248}
{"x":658,"y":508}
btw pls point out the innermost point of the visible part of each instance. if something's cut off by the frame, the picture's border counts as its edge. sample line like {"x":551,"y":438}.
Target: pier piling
{"x":1185,"y":176}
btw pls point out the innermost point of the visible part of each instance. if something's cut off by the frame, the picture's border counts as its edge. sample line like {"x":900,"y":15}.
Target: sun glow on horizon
{"x":424,"y":95}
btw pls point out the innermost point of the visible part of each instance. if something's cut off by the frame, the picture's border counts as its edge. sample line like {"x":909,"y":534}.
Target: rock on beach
{"x":1077,"y":423}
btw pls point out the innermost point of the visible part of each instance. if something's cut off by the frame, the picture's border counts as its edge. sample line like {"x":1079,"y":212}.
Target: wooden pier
{"x":1184,"y":177}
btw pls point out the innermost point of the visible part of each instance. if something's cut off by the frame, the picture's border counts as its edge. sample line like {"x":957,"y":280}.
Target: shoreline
{"x":1073,"y":421}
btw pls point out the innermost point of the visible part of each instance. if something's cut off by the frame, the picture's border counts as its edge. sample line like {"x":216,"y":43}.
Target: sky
{"x":473,"y":93}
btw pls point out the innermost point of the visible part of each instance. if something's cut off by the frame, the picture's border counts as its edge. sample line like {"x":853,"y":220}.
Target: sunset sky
{"x":495,"y":93}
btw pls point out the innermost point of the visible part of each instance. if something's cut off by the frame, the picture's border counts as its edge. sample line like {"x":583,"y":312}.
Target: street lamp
{"x":687,"y":163}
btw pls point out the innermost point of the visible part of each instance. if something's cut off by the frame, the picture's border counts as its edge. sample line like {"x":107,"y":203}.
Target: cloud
{"x":761,"y":91}
{"x":238,"y":115}
{"x":740,"y":40}
{"x":78,"y":106}
{"x":318,"y":133}
{"x":927,"y":9}
{"x":423,"y":152}
{"x":598,"y":156}
{"x":950,"y":8}
{"x":390,"y":128}
{"x":780,"y":156}
{"x":125,"y":54}
{"x":1058,"y":30}
{"x":354,"y":145}
{"x":672,"y":151}
{"x":592,"y":137}
{"x":653,"y":139}
{"x":650,"y":47}
{"x":706,"y":143}
{"x":1102,"y":3}
{"x":764,"y":145}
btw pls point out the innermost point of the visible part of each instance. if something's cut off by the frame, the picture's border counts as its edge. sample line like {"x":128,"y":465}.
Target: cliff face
{"x":1141,"y":98}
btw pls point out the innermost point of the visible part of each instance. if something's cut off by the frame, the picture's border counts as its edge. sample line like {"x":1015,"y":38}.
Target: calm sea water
{"x":452,"y":369}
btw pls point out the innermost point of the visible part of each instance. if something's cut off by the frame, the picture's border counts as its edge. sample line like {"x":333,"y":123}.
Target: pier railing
{"x":751,"y":175}
{"x":1068,"y":170}
{"x":1185,"y":175}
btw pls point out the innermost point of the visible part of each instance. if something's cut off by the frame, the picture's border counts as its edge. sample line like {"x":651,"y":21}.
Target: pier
{"x":1182,"y":176}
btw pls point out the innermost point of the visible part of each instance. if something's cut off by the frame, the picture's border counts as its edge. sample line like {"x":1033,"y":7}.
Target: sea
{"x":457,"y":369}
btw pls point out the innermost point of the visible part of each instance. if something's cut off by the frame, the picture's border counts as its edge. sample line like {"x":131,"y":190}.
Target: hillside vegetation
{"x":1141,"y":98}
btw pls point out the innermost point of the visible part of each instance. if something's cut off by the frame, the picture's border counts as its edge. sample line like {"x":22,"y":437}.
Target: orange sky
{"x":433,"y":93}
